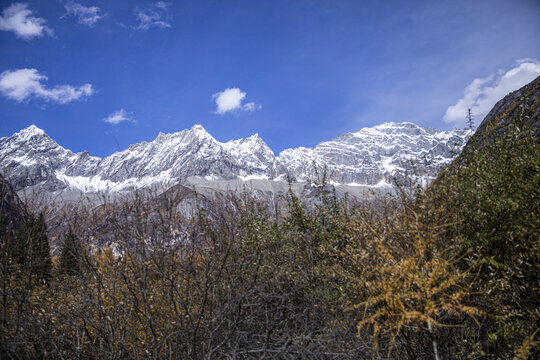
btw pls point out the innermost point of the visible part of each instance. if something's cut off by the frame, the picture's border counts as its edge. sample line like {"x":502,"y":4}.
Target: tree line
{"x":446,"y":273}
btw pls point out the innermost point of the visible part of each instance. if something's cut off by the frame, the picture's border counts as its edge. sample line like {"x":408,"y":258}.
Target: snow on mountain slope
{"x":375,"y":154}
{"x":30,"y":157}
{"x":254,"y":153}
{"x":370,"y":156}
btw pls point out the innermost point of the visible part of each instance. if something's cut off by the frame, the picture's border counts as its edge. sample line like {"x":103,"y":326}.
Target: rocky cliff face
{"x":32,"y":160}
{"x":376,"y":154}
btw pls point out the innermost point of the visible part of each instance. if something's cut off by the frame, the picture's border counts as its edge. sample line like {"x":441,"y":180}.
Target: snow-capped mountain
{"x":31,"y":160}
{"x":376,"y":154}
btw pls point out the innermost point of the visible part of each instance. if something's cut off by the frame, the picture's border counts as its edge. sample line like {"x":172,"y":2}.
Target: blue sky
{"x":100,"y":75}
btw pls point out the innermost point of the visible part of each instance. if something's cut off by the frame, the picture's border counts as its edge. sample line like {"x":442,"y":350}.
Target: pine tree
{"x":69,"y":256}
{"x":4,"y":232}
{"x":470,"y":119}
{"x":31,"y":249}
{"x":43,"y":263}
{"x":6,"y":243}
{"x":22,"y":249}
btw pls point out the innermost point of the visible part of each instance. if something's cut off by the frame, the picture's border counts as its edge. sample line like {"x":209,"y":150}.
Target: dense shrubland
{"x":451,"y":272}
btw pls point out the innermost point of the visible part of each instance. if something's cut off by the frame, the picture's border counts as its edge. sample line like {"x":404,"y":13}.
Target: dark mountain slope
{"x":520,"y":107}
{"x":12,"y":210}
{"x":489,"y":199}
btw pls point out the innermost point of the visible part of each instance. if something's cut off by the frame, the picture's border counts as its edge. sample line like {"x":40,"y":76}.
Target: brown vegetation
{"x":449,"y":273}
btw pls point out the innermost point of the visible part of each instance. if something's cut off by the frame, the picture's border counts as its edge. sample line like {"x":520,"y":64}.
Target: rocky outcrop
{"x":377,"y":154}
{"x":522,"y":105}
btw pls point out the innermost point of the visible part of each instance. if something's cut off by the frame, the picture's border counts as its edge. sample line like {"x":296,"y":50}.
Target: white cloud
{"x":231,"y":100}
{"x":23,"y":84}
{"x":482,"y":93}
{"x":251,"y":107}
{"x":154,"y":16}
{"x":17,"y":18}
{"x":163,"y":4}
{"x":86,"y":15}
{"x":116,"y":117}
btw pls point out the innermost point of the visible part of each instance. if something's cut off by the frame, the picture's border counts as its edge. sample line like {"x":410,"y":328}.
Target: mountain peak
{"x":31,"y":131}
{"x":364,"y":157}
{"x":200,"y":131}
{"x":197,"y":131}
{"x":395,"y":125}
{"x":253,"y":142}
{"x":391,"y":128}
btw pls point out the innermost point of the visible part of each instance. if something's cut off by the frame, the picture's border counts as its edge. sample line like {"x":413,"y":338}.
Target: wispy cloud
{"x":163,"y":4}
{"x":482,"y":93}
{"x":118,"y":116}
{"x":18,"y":18}
{"x":24,"y":84}
{"x":156,"y":15}
{"x":86,"y":15}
{"x":230,"y":100}
{"x":251,"y":107}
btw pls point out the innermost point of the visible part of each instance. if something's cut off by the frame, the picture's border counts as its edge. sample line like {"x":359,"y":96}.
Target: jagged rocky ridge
{"x":31,"y":160}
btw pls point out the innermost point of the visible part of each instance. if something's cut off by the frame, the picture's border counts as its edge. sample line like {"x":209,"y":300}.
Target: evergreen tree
{"x":43,"y":263}
{"x":31,"y":249}
{"x":4,"y":232}
{"x":6,"y":243}
{"x":470,"y":119}
{"x":69,"y":256}
{"x":22,"y":245}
